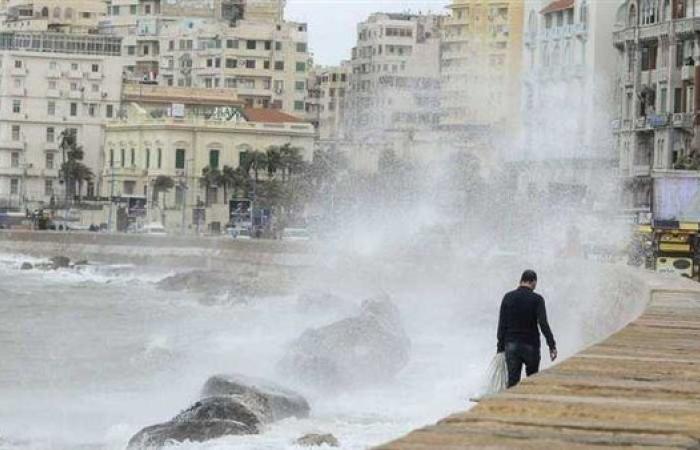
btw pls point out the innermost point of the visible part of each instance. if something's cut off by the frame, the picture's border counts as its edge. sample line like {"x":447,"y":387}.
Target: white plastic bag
{"x":496,"y":376}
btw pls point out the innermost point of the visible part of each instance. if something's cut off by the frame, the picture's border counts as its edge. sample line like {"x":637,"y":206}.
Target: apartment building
{"x":481,"y":64}
{"x":569,"y":69}
{"x":394,"y":86}
{"x":67,"y":16}
{"x":246,"y":46}
{"x":177,"y":132}
{"x":325,"y":104}
{"x":658,"y":51}
{"x":50,"y":82}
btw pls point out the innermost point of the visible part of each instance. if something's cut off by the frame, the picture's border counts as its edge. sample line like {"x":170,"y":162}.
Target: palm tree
{"x":291,"y":160}
{"x":255,"y":161}
{"x":210,"y":178}
{"x":162,"y":183}
{"x":227,"y":180}
{"x":73,"y":171}
{"x":274,"y":160}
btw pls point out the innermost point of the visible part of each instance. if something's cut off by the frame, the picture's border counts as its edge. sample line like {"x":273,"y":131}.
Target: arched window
{"x":555,"y":55}
{"x":532,"y":22}
{"x":650,"y":13}
{"x":583,"y":13}
{"x":160,"y":158}
{"x":69,"y":13}
{"x":57,"y":13}
{"x":632,"y":17}
{"x":148,"y":158}
{"x":666,"y":13}
{"x":44,"y":12}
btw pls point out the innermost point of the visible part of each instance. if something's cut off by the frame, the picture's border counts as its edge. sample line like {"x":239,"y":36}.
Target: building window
{"x":52,"y":85}
{"x":129,"y":187}
{"x":110,"y":111}
{"x":16,"y":106}
{"x":180,"y":158}
{"x":50,"y":134}
{"x":251,"y":45}
{"x":279,"y":65}
{"x":148,"y":158}
{"x":179,"y":195}
{"x":250,"y":64}
{"x":49,"y":160}
{"x":123,"y":157}
{"x":268,"y":45}
{"x":298,"y":105}
{"x":95,"y":68}
{"x":95,"y":88}
{"x":111,"y":157}
{"x":230,"y":83}
{"x":231,"y":63}
{"x":278,"y":46}
{"x":115,"y":10}
{"x":73,"y":109}
{"x":131,"y":50}
{"x":15,"y":132}
{"x":301,"y":67}
{"x":18,"y":63}
{"x":14,"y":160}
{"x":300,"y":85}
{"x":232,"y":43}
{"x":51,"y":108}
{"x":92,"y":109}
{"x":266,"y":65}
{"x":48,"y":188}
{"x":74,"y":66}
{"x":133,"y":157}
{"x":214,"y":159}
{"x":301,"y":47}
{"x":14,"y":186}
{"x":160,"y":157}
{"x":74,"y":87}
{"x":133,"y":9}
{"x":147,"y":9}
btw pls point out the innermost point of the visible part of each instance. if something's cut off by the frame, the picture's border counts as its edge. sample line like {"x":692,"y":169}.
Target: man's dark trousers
{"x":517,"y":355}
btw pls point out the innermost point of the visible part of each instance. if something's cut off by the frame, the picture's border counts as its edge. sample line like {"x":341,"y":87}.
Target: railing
{"x":199,"y":121}
{"x":683,"y":120}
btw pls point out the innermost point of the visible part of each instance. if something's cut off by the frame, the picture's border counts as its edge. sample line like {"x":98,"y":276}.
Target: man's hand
{"x":553,"y":354}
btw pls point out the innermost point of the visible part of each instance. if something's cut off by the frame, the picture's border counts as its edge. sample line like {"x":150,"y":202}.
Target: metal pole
{"x":111,"y":201}
{"x":184,"y":200}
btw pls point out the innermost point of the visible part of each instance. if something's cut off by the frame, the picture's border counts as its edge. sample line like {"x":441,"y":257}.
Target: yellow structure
{"x":481,"y":63}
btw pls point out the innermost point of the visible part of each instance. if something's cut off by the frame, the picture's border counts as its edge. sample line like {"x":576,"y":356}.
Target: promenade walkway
{"x":640,"y":388}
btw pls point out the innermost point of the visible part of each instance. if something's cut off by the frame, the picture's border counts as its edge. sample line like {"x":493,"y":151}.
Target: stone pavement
{"x":640,"y":388}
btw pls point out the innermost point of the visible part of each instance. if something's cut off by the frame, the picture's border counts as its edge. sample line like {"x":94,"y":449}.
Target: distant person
{"x":521,"y":312}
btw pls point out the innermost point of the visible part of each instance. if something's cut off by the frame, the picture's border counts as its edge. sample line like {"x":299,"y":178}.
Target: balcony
{"x":688,"y":73}
{"x":657,"y":121}
{"x":76,"y":95}
{"x":19,"y":72}
{"x":53,"y":74}
{"x":11,"y":145}
{"x":653,"y":32}
{"x":622,"y":36}
{"x":75,"y":74}
{"x":648,"y":77}
{"x":640,"y":170}
{"x":688,"y":26}
{"x":95,"y":76}
{"x":11,"y":171}
{"x":640,"y":123}
{"x":53,"y":93}
{"x":580,"y":29}
{"x":18,"y":92}
{"x":683,"y":120}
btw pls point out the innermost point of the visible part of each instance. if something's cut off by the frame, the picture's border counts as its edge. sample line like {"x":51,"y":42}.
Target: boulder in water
{"x":60,"y":262}
{"x":315,"y":440}
{"x":365,"y":349}
{"x":231,"y":405}
{"x":209,"y":418}
{"x":271,"y":401}
{"x":26,"y":266}
{"x":82,"y":262}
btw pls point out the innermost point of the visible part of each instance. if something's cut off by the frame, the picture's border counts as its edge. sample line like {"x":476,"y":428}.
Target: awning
{"x":558,"y":5}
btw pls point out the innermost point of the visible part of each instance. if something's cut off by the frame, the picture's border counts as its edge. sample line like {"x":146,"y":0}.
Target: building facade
{"x":658,"y":53}
{"x":569,"y":70}
{"x":51,"y":82}
{"x":394,"y":86}
{"x":325,"y":105}
{"x":177,"y":132}
{"x":481,"y":64}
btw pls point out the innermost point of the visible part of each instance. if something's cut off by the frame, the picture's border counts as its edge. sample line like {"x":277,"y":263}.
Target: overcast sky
{"x":332,"y":23}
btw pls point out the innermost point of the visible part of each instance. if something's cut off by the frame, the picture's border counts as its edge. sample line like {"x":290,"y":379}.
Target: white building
{"x":567,"y":101}
{"x":51,"y":82}
{"x":325,"y":105}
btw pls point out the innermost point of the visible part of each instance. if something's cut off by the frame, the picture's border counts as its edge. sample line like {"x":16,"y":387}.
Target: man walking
{"x":521,"y":312}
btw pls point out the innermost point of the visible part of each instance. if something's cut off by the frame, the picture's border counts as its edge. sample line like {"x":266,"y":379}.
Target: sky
{"x":333,"y":23}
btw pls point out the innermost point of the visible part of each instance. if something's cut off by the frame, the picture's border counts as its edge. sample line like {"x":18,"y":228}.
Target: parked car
{"x":155,"y":229}
{"x":296,"y":234}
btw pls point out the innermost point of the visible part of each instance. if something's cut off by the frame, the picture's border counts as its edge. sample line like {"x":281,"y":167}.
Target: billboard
{"x":241,"y":212}
{"x":136,"y":207}
{"x":677,"y":198}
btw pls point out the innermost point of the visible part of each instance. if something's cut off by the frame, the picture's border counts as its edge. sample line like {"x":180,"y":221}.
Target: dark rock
{"x":369,"y":348}
{"x":60,"y":262}
{"x":82,"y":262}
{"x":313,"y":440}
{"x":209,"y":418}
{"x":26,"y":266}
{"x":231,"y":405}
{"x":271,"y":401}
{"x":45,"y":266}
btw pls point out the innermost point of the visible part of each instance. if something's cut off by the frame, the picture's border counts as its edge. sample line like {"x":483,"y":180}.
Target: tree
{"x":227,"y":180}
{"x":255,"y":161}
{"x":291,"y":160}
{"x":73,"y":172}
{"x":210,"y":178}
{"x":274,"y":160}
{"x":163,"y":183}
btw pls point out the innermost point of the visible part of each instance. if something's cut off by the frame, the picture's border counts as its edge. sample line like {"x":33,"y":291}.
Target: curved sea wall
{"x":639,"y":387}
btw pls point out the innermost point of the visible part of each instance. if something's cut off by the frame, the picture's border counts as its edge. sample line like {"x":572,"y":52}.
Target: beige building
{"x":246,"y":46}
{"x":177,"y":132}
{"x":50,"y":82}
{"x":394,"y":86}
{"x":68,"y":16}
{"x":481,"y":64}
{"x":325,"y":105}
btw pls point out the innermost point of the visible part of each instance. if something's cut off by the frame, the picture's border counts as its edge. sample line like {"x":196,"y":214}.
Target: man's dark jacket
{"x":521,"y":311}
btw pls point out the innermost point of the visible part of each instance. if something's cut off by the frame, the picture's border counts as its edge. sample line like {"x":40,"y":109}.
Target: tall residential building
{"x":68,"y":16}
{"x":659,"y":52}
{"x":325,"y":105}
{"x":481,"y":64}
{"x":567,"y":102}
{"x":51,"y":82}
{"x":232,"y":44}
{"x":394,"y":85}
